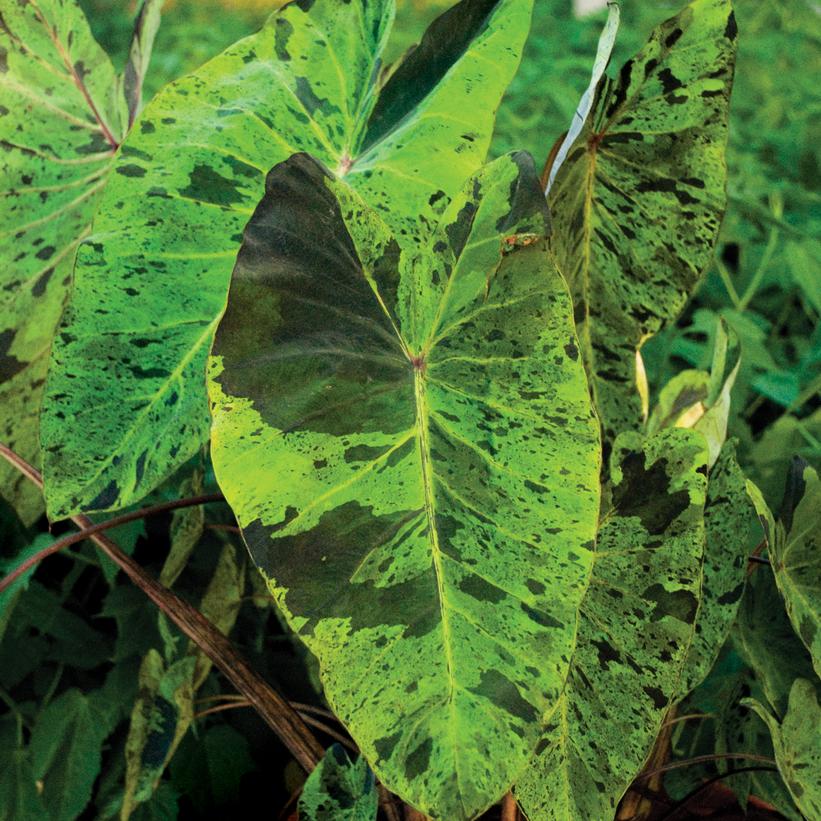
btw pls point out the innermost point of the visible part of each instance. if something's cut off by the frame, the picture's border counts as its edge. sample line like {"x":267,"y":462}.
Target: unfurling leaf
{"x":638,"y":203}
{"x":339,"y":790}
{"x":797,"y":745}
{"x":698,"y":400}
{"x":191,"y":174}
{"x":406,"y":437}
{"x":637,"y":622}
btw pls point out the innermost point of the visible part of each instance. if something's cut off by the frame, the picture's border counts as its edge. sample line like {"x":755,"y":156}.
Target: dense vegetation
{"x":469,"y":536}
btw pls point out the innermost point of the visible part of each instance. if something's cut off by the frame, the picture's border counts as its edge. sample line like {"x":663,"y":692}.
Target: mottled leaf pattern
{"x":186,"y":182}
{"x":796,"y":559}
{"x":797,"y":745}
{"x":408,"y":443}
{"x":162,"y":714}
{"x":637,"y":623}
{"x":60,"y":121}
{"x":732,"y":533}
{"x":638,"y":203}
{"x":339,"y":790}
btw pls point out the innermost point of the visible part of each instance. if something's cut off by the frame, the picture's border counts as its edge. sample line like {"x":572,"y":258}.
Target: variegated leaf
{"x":636,"y":626}
{"x":60,"y":123}
{"x":190,"y":176}
{"x":638,"y":203}
{"x":407,"y":441}
{"x":797,"y":745}
{"x":339,"y":790}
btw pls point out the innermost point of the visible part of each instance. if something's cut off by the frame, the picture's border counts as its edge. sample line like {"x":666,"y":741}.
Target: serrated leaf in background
{"x":339,"y":789}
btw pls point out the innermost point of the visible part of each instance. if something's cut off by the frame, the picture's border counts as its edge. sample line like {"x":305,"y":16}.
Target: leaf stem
{"x":271,"y":706}
{"x":704,"y":759}
{"x":84,"y":534}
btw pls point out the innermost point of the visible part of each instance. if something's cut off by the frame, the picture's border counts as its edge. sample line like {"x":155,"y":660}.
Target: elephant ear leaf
{"x":407,"y":440}
{"x":59,"y":128}
{"x":637,"y":621}
{"x":638,"y":202}
{"x":188,"y":179}
{"x":797,"y":745}
{"x":796,"y":558}
{"x":339,"y":790}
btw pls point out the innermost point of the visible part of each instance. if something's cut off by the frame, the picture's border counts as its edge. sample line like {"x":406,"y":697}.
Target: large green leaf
{"x":796,"y":559}
{"x":732,"y":533}
{"x":638,"y":202}
{"x":797,"y":745}
{"x":637,"y":623}
{"x":339,"y":790}
{"x":60,"y":123}
{"x":190,"y":176}
{"x":408,"y":443}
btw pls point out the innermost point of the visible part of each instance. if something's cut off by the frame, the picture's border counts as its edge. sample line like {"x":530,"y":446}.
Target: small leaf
{"x":10,"y":596}
{"x":732,"y":533}
{"x":638,"y":202}
{"x":161,"y":717}
{"x":796,"y":559}
{"x":339,"y":790}
{"x":187,"y":527}
{"x":408,"y":443}
{"x":66,"y":746}
{"x":636,"y":624}
{"x":185,"y":184}
{"x":797,"y":745}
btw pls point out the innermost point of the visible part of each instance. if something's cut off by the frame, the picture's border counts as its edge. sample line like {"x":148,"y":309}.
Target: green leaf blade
{"x":636,"y":624}
{"x":339,"y":790}
{"x":189,"y":178}
{"x":643,"y":192}
{"x":59,"y":127}
{"x":398,"y":446}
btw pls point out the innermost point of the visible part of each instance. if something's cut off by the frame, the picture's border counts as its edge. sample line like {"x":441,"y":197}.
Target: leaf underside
{"x":185,"y":184}
{"x":636,"y":625}
{"x":638,"y":203}
{"x":407,"y":441}
{"x":57,"y":113}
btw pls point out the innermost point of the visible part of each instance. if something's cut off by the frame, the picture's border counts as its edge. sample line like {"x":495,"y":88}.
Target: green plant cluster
{"x":435,"y":399}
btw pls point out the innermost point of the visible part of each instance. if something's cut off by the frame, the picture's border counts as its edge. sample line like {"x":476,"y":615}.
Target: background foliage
{"x":100,"y":692}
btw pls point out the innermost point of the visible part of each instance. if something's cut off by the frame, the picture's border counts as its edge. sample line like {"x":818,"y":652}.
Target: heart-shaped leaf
{"x":638,"y":203}
{"x":636,"y":625}
{"x":407,"y":441}
{"x":339,"y":790}
{"x":190,"y":176}
{"x":60,"y":123}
